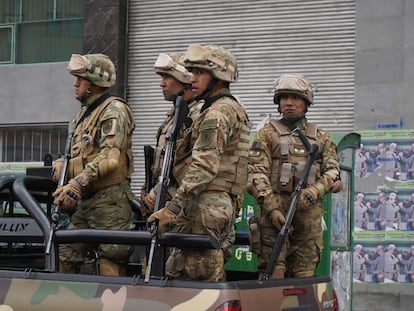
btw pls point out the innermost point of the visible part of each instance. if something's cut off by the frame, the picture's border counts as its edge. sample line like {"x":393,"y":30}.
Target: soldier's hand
{"x":57,"y":169}
{"x":272,"y":204}
{"x":148,"y":202}
{"x":166,"y":218}
{"x":67,"y":196}
{"x":308,"y":198}
{"x":277,"y":219}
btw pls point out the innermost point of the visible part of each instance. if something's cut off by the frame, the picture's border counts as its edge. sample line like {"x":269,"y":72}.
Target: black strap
{"x":209,"y":101}
{"x":294,"y":128}
{"x":92,"y":107}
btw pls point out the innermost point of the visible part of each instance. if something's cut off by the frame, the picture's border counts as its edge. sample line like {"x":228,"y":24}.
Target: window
{"x":40,"y":31}
{"x":6,"y":35}
{"x":31,"y":144}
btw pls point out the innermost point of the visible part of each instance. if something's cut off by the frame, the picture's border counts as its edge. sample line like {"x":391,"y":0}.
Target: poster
{"x":383,"y":216}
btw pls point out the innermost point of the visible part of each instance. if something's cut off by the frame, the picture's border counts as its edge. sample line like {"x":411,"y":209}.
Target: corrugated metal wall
{"x":268,"y":38}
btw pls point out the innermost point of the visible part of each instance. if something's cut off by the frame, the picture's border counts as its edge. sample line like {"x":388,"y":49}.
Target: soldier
{"x":175,"y":80}
{"x":100,"y":166}
{"x":215,"y":157}
{"x":276,"y":160}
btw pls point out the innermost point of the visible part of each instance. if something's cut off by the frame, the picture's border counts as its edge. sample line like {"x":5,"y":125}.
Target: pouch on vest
{"x":158,"y":161}
{"x":254,"y":236}
{"x":286,"y":182}
{"x":75,"y":167}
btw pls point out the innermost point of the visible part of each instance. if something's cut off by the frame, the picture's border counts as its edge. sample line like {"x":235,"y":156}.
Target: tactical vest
{"x":232,"y":173}
{"x":289,"y":158}
{"x":160,"y":148}
{"x":193,"y":114}
{"x":84,"y":150}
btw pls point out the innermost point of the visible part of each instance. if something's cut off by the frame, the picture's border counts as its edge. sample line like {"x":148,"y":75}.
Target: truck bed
{"x":29,"y":277}
{"x":29,"y":290}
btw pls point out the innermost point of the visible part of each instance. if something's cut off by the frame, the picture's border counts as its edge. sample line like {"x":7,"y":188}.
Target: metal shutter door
{"x":268,"y":38}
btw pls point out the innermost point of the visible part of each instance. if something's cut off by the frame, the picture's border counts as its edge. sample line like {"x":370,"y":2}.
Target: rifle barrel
{"x":181,"y":111}
{"x":284,"y":231}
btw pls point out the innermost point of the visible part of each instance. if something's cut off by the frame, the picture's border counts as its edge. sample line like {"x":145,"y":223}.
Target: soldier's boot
{"x":65,"y":267}
{"x":278,"y":273}
{"x":108,"y":267}
{"x":303,"y":274}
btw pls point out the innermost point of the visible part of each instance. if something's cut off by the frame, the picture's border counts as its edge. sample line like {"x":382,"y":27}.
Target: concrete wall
{"x":37,"y":94}
{"x":384,"y":57}
{"x":383,"y":297}
{"x":44,"y":93}
{"x":384,"y":81}
{"x":341,"y":277}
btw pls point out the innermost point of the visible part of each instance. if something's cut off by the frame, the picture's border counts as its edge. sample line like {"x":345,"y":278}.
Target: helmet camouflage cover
{"x":172,"y":64}
{"x":217,"y":60}
{"x":293,"y":84}
{"x":97,"y":68}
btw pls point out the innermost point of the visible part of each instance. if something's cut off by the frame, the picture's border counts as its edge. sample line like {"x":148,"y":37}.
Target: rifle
{"x":284,"y":231}
{"x":181,"y":111}
{"x":61,"y":182}
{"x":149,"y":160}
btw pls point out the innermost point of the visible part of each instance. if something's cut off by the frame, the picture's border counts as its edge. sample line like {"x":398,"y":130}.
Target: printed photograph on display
{"x":383,"y":207}
{"x":383,"y":263}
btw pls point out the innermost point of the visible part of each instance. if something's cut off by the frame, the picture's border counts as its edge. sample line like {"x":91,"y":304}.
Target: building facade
{"x":358,"y":53}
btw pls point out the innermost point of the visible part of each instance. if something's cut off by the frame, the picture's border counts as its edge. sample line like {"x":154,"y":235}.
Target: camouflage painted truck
{"x":29,"y":277}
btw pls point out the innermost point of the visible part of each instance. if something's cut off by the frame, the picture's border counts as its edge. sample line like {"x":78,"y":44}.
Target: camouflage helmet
{"x":217,"y":60}
{"x":172,"y":64}
{"x":97,"y":68}
{"x":293,"y":84}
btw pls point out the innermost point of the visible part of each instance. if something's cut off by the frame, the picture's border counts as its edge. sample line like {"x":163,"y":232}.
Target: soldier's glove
{"x":272,"y":204}
{"x":277,"y":218}
{"x":166,"y":217}
{"x":148,"y":202}
{"x":308,"y":198}
{"x":57,"y":169}
{"x":67,"y":196}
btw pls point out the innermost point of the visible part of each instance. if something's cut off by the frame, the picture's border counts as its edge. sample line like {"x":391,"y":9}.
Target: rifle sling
{"x":293,"y":127}
{"x":209,"y":101}
{"x":92,"y":107}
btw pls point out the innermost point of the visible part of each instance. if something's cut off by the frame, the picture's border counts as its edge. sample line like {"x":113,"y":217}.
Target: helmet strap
{"x":211,"y":85}
{"x":87,"y":94}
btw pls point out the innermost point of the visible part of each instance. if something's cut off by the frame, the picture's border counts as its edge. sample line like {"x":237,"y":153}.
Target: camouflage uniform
{"x":172,"y":66}
{"x":215,"y":152}
{"x":276,"y":159}
{"x":101,"y":163}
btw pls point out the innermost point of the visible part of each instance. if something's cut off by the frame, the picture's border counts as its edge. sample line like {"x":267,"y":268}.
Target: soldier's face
{"x":200,"y":80}
{"x":170,"y":87}
{"x":81,"y":86}
{"x":291,"y":104}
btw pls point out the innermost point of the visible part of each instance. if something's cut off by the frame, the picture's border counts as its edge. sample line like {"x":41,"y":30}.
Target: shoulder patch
{"x":206,"y":138}
{"x":109,"y":127}
{"x":208,"y":133}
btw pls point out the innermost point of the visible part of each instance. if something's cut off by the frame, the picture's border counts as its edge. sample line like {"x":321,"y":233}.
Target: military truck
{"x":29,"y":277}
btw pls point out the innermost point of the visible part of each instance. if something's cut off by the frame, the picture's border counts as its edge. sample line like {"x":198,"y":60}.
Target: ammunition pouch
{"x":175,"y":263}
{"x":254,"y":235}
{"x":91,"y":263}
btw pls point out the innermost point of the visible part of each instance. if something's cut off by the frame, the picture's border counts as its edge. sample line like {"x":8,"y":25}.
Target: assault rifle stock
{"x":181,"y":111}
{"x":61,"y":182}
{"x":284,"y":231}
